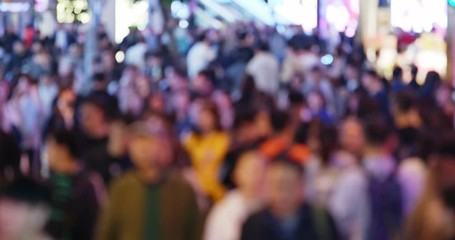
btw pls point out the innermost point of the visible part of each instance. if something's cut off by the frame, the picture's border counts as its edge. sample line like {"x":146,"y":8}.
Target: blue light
{"x":452,"y":3}
{"x":327,"y":59}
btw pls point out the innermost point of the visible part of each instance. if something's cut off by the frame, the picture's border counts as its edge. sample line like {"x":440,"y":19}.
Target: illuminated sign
{"x":23,"y":6}
{"x":419,"y":15}
{"x":14,"y":6}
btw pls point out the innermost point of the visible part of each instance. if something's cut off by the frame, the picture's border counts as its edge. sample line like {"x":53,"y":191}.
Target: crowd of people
{"x":240,"y":133}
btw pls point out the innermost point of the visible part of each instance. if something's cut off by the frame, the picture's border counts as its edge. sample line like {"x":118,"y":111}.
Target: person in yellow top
{"x":207,"y":146}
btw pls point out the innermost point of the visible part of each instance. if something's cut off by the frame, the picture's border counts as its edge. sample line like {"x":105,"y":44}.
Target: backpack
{"x":386,"y":210}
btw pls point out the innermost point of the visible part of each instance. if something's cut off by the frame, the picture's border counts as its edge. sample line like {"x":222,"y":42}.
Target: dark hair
{"x":405,"y":101}
{"x":243,"y":117}
{"x":328,"y":139}
{"x":397,"y":72}
{"x":68,"y":139}
{"x":213,"y":109}
{"x":287,"y":163}
{"x":280,"y":120}
{"x":263,"y":46}
{"x":377,"y":130}
{"x":28,"y":191}
{"x":99,"y":77}
{"x":202,"y":36}
{"x":296,"y":98}
{"x":302,"y":133}
{"x":210,"y":75}
{"x":446,"y":145}
{"x":371,"y":73}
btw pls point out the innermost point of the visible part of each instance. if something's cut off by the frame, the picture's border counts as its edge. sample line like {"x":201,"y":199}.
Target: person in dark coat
{"x":287,"y":215}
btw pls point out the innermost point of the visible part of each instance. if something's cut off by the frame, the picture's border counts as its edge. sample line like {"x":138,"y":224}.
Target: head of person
{"x":24,"y":210}
{"x":371,"y":81}
{"x":317,"y":73}
{"x":378,"y":133}
{"x":280,"y":121}
{"x":284,"y":187}
{"x":249,"y":173}
{"x":352,"y":136}
{"x":208,"y":118}
{"x":93,"y":118}
{"x":63,"y":151}
{"x":204,"y":83}
{"x":316,"y":101}
{"x":245,"y":38}
{"x":245,"y":125}
{"x":66,"y":100}
{"x":19,"y":47}
{"x":203,"y":37}
{"x":150,"y":148}
{"x":262,"y":47}
{"x":100,"y":81}
{"x":397,"y":73}
{"x":432,"y":80}
{"x":24,"y":84}
{"x":445,"y":169}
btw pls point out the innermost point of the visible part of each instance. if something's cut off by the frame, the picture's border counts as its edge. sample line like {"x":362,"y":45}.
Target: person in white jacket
{"x":265,"y":70}
{"x":227,"y":217}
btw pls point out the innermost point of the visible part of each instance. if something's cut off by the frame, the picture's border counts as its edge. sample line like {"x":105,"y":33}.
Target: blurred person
{"x":207,"y":146}
{"x":318,"y":107}
{"x":10,"y":156}
{"x":180,"y":105}
{"x":428,"y":89}
{"x":352,"y":137}
{"x":154,"y":67}
{"x":135,"y":54}
{"x":223,"y":101}
{"x":26,"y":113}
{"x":307,"y":57}
{"x":130,"y":101}
{"x":63,"y":113}
{"x":152,"y":201}
{"x":94,"y":136}
{"x":397,"y":83}
{"x":281,"y":138}
{"x":384,"y":188}
{"x":48,"y":90}
{"x":238,"y":204}
{"x":433,"y":217}
{"x":200,"y":55}
{"x":414,"y":84}
{"x":203,"y":84}
{"x":245,"y":137}
{"x":413,"y":169}
{"x":63,"y":38}
{"x":9,"y":38}
{"x":77,"y":194}
{"x":376,"y":90}
{"x":100,"y":83}
{"x":264,"y":68}
{"x":239,"y":57}
{"x":19,"y":57}
{"x":336,"y":182}
{"x":318,"y":82}
{"x":24,"y":210}
{"x":287,"y":214}
{"x":352,"y":77}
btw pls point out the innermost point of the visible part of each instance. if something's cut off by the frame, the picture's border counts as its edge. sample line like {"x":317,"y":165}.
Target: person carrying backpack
{"x":384,"y":189}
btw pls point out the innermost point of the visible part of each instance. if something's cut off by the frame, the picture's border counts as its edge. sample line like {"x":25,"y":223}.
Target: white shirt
{"x":412,"y":176}
{"x":264,"y":68}
{"x":135,"y":55}
{"x":226,"y":219}
{"x":199,"y":57}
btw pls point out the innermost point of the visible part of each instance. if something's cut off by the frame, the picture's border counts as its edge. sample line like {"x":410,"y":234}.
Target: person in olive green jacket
{"x":151,"y":202}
